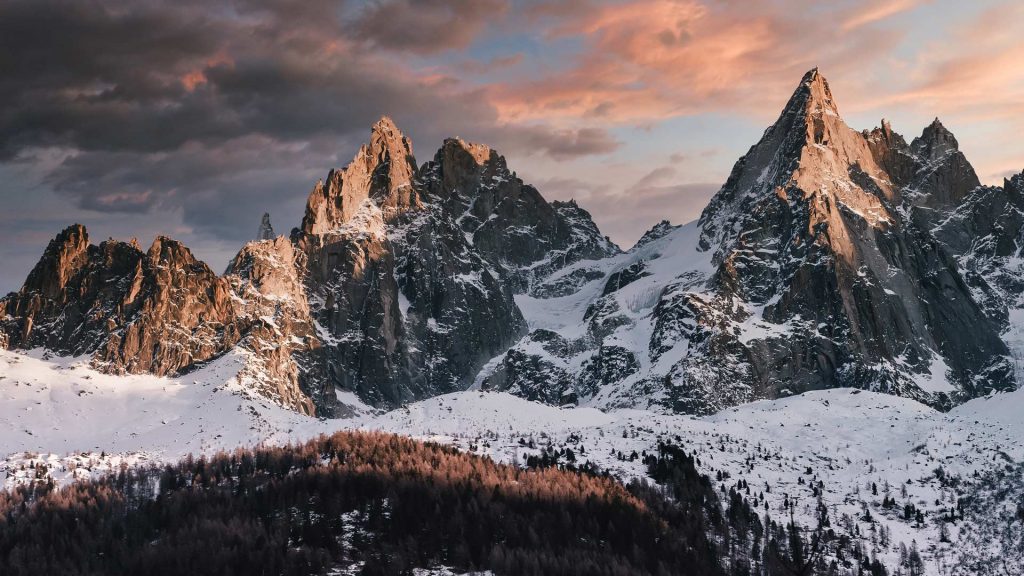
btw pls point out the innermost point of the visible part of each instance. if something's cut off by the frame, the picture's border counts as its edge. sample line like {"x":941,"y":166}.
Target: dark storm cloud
{"x":218,"y":113}
{"x":426,"y":26}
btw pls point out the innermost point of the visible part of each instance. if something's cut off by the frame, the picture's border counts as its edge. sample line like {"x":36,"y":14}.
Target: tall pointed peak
{"x":812,"y":98}
{"x":935,"y":139}
{"x":387,"y":142}
{"x":813,"y":95}
{"x":266,"y":231}
{"x":385,"y":123}
{"x":66,"y":246}
{"x":386,"y":129}
{"x":63,"y":256}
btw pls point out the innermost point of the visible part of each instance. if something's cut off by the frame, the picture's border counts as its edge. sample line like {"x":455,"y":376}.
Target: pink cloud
{"x":653,"y":59}
{"x":878,"y":10}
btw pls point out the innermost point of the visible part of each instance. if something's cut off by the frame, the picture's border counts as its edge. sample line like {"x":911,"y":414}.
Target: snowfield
{"x":60,"y":418}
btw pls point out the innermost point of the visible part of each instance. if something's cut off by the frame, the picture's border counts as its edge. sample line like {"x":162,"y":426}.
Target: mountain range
{"x":829,"y":258}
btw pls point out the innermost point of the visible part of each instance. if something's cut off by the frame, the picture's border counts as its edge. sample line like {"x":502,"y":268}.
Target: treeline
{"x":380,"y":501}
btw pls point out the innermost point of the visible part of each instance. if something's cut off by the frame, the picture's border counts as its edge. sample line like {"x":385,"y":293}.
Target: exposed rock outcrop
{"x":266,"y":231}
{"x":808,"y":229}
{"x":829,"y":258}
{"x":284,"y":355}
{"x":507,"y":221}
{"x":160,"y":311}
{"x":409,"y":307}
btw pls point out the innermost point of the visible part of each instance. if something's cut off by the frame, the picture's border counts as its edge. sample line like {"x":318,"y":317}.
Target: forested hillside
{"x":375,"y":503}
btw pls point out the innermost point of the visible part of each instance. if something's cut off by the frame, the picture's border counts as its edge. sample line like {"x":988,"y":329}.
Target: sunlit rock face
{"x":159,"y":311}
{"x":283,"y":352}
{"x":397,"y":285}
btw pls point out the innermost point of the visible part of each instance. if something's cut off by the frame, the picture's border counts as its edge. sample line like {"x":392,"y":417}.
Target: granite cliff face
{"x":398,"y":285}
{"x":830,"y":257}
{"x":164,"y":312}
{"x":283,"y":352}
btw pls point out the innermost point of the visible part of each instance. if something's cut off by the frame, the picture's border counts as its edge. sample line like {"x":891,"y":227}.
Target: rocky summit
{"x":829,"y":258}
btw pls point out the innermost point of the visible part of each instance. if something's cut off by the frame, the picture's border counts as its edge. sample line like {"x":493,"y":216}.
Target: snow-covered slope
{"x":595,"y":322}
{"x":56,"y":408}
{"x":841,"y":444}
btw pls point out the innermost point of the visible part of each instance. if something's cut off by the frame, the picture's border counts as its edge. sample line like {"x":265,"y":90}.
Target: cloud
{"x":218,"y":112}
{"x":872,"y":12}
{"x":494,"y":64}
{"x":654,"y":177}
{"x":215,"y":112}
{"x":559,"y":144}
{"x":425,"y":26}
{"x":626,"y":215}
{"x":653,"y":59}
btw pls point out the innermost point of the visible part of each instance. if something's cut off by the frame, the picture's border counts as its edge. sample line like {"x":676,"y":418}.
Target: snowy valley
{"x":848,"y":450}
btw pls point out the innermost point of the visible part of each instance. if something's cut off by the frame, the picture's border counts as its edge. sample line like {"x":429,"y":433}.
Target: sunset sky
{"x":191,"y":118}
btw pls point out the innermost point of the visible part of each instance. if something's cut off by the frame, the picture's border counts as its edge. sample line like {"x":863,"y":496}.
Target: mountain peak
{"x":937,"y":136}
{"x":266,"y":231}
{"x":62,"y":257}
{"x":480,"y":153}
{"x":386,"y":131}
{"x":382,"y":171}
{"x":168,"y":251}
{"x":813,"y":96}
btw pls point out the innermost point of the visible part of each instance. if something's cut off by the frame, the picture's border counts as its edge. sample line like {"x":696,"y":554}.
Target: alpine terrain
{"x":822,"y":370}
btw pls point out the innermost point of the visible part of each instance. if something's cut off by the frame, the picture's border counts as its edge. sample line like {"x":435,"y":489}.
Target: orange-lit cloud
{"x":876,"y":11}
{"x":654,"y":59}
{"x":193,"y":78}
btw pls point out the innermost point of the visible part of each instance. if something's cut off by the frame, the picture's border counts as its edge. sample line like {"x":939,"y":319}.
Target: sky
{"x":190,"y":118}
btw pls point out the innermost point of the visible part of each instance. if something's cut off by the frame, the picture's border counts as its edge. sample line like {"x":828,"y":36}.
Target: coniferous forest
{"x":383,"y":504}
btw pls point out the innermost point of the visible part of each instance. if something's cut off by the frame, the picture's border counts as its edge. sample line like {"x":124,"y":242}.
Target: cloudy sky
{"x":191,"y":118}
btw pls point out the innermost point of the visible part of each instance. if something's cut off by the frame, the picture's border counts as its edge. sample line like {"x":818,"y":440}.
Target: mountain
{"x":164,"y":312}
{"x":157,"y":311}
{"x":398,"y":285}
{"x":829,"y":258}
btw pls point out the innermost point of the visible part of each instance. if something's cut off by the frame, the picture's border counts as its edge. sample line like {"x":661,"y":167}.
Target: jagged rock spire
{"x":935,"y":141}
{"x":813,"y":95}
{"x":944,"y":171}
{"x":382,"y":171}
{"x":808,"y":151}
{"x":62,"y":258}
{"x":266,"y":231}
